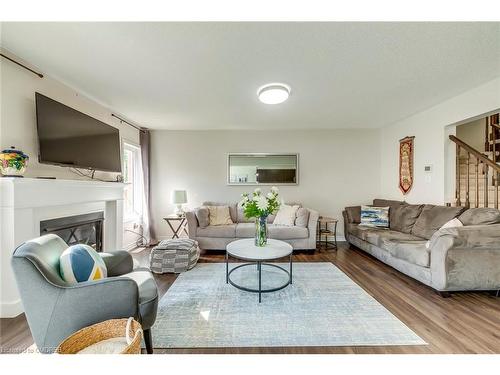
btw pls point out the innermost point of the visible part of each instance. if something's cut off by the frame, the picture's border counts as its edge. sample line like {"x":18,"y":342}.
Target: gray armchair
{"x":55,"y":309}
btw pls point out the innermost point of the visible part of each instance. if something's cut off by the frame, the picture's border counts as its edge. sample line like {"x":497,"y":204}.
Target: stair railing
{"x":486,"y":166}
{"x":494,"y":122}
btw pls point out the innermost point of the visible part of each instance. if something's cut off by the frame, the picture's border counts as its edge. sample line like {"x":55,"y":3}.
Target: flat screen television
{"x":71,"y":138}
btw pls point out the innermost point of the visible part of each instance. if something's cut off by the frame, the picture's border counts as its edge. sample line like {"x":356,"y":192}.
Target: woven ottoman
{"x":174,"y":256}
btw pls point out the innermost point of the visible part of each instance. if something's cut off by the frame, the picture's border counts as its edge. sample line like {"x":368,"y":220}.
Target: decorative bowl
{"x":13,"y":162}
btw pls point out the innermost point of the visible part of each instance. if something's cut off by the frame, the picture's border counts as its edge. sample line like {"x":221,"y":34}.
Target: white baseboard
{"x":130,"y":246}
{"x":11,"y":309}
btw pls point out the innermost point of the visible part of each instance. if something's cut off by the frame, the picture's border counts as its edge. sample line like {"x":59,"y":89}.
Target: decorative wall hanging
{"x":406,"y":164}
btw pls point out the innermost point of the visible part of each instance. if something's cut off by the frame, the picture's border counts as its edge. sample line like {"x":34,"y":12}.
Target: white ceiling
{"x":205,"y":75}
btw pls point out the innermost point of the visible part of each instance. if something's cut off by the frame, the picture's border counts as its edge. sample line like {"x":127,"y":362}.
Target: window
{"x":132,"y":176}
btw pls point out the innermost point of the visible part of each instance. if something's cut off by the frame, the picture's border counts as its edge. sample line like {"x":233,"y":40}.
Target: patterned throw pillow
{"x":79,"y":263}
{"x":375,"y":216}
{"x":219,"y":215}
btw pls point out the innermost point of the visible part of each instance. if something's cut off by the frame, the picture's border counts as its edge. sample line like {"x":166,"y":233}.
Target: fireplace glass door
{"x":81,"y":229}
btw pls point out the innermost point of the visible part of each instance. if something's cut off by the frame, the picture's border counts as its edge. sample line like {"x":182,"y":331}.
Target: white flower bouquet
{"x":260,"y":206}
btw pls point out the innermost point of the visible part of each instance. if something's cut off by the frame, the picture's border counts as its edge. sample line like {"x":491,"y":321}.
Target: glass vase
{"x":261,"y":231}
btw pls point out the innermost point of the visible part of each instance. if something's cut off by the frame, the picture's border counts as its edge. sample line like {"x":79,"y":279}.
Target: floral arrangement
{"x":260,"y":206}
{"x":13,"y":162}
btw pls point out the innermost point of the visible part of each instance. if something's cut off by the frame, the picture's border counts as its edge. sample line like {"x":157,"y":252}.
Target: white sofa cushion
{"x":221,"y":231}
{"x":245,"y":230}
{"x":280,"y":232}
{"x":286,"y":215}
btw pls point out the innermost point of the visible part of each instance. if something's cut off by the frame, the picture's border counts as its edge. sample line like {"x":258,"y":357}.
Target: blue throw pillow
{"x":375,"y":216}
{"x":79,"y":263}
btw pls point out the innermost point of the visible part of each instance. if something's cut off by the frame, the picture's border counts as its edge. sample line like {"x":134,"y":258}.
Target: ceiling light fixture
{"x":273,"y":93}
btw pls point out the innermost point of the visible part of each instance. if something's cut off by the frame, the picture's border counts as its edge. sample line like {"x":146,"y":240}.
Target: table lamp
{"x":179,"y":197}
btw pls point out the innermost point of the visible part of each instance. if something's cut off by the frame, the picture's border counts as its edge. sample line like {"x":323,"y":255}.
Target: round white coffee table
{"x":247,"y":251}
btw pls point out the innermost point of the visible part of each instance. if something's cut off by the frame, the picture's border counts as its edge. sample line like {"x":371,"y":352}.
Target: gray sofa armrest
{"x":312,"y":226}
{"x":118,"y":262}
{"x":346,"y":222}
{"x":353,"y":214}
{"x":192,"y":223}
{"x":466,"y":258}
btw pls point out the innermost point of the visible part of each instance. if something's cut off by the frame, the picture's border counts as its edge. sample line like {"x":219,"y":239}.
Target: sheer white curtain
{"x":148,"y":231}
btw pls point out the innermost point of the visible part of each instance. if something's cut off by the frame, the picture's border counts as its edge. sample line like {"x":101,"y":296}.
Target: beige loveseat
{"x":448,"y":259}
{"x":216,"y":237}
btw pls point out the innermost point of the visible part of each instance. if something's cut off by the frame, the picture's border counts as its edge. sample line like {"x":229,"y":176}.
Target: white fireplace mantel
{"x":24,"y":202}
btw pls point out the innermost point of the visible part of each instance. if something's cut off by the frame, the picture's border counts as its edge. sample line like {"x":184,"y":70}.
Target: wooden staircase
{"x":478,"y":173}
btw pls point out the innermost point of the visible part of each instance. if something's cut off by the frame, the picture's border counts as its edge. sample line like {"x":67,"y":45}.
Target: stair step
{"x":491,"y":202}
{"x":472,"y":197}
{"x":480,"y":190}
{"x":463,"y":198}
{"x":472,"y":172}
{"x":472,"y":182}
{"x":472,"y":194}
{"x":472,"y":166}
{"x":472,"y":177}
{"x":471,"y":205}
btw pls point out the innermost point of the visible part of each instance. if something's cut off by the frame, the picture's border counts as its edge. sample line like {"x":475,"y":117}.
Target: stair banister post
{"x":457,"y":185}
{"x":467,"y":200}
{"x":486,"y":186}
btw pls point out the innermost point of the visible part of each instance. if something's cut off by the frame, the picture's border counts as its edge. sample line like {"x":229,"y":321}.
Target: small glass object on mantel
{"x":260,"y":207}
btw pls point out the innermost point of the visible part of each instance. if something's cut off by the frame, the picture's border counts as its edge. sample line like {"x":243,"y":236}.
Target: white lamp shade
{"x":179,"y":197}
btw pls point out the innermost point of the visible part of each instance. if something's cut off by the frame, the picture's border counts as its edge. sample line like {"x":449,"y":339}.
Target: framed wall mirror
{"x":262,"y":169}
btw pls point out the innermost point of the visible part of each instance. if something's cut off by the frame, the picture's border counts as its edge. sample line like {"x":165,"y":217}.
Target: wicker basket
{"x":102,"y":331}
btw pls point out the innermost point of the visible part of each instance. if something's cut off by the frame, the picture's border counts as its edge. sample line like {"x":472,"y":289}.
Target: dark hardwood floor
{"x":463,"y":323}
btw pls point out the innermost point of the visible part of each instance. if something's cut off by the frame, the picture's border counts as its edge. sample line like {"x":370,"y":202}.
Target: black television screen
{"x":70,"y":138}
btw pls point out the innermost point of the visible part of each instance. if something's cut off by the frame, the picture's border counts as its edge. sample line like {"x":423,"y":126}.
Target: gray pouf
{"x":174,"y":256}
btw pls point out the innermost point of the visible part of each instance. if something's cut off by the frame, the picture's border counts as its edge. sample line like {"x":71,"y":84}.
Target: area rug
{"x":323,"y":307}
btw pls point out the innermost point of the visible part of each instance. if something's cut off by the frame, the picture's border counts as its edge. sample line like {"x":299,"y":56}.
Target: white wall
{"x":472,"y":133}
{"x":336,"y":167}
{"x":432,"y":146}
{"x":18,"y":120}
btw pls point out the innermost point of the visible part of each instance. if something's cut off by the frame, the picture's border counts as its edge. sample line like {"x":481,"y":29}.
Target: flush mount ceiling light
{"x":273,"y":93}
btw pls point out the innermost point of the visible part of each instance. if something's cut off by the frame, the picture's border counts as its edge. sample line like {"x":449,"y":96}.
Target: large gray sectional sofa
{"x":449,"y":259}
{"x":216,"y":237}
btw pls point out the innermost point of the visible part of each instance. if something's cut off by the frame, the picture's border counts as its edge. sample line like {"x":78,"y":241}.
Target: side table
{"x":327,"y":226}
{"x":181,"y":226}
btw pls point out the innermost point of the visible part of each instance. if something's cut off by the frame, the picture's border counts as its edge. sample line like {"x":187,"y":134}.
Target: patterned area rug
{"x":323,"y":307}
